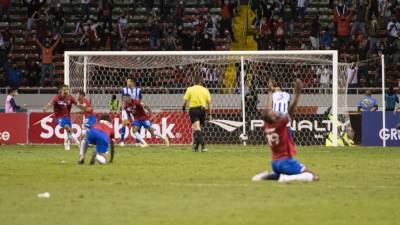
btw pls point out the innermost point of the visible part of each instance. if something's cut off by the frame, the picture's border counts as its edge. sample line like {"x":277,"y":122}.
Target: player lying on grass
{"x":100,"y":134}
{"x":141,"y":119}
{"x":62,"y":104}
{"x":90,"y":118}
{"x":285,"y":168}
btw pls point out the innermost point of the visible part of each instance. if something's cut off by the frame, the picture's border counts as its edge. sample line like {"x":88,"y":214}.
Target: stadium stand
{"x":181,"y":25}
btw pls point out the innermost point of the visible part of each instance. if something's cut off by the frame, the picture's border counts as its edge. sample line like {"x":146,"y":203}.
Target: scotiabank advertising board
{"x":175,"y":125}
{"x":13,"y":128}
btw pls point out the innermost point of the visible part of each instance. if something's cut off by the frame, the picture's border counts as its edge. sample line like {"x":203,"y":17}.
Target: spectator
{"x":384,"y":10}
{"x":47,"y":60}
{"x":391,"y":99}
{"x":32,"y":72}
{"x":352,"y":80}
{"x":324,"y":79}
{"x":326,"y":39}
{"x":80,"y":26}
{"x":367,"y":103}
{"x":155,"y":36}
{"x":123,"y":25}
{"x":10,"y":105}
{"x":226,"y":20}
{"x":261,"y":41}
{"x":314,"y":34}
{"x":5,"y":6}
{"x":106,"y":13}
{"x":186,"y":40}
{"x":32,"y":7}
{"x":393,"y":33}
{"x":373,"y":7}
{"x":179,"y":13}
{"x":359,"y":25}
{"x":288,"y":19}
{"x":301,"y":8}
{"x":85,"y":8}
{"x":361,"y":48}
{"x":373,"y":34}
{"x":279,"y":27}
{"x":58,"y":20}
{"x":170,"y":40}
{"x":210,"y":27}
{"x":206,"y":43}
{"x":341,"y":10}
{"x":251,"y":101}
{"x":113,"y":104}
{"x":342,"y":27}
{"x":13,"y":75}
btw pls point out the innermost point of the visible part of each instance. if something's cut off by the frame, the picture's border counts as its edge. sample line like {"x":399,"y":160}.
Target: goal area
{"x":237,"y":81}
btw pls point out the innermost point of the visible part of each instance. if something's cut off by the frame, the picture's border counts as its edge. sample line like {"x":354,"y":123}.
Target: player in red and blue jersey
{"x":138,"y":109}
{"x":62,"y":104}
{"x":100,"y":134}
{"x":90,"y":117}
{"x":284,"y":166}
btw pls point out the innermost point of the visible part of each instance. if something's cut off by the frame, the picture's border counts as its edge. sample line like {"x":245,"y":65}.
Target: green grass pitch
{"x":160,"y":185}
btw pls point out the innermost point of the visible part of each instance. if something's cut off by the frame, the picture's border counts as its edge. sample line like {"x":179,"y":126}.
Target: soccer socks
{"x":265,"y":176}
{"x":157,"y":134}
{"x":304,"y":177}
{"x":101,"y":159}
{"x":139,"y":138}
{"x":75,"y":139}
{"x":122,"y":132}
{"x":82,"y":150}
{"x":196,"y":139}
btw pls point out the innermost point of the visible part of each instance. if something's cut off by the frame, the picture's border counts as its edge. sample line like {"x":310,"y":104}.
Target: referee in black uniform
{"x":199,"y":100}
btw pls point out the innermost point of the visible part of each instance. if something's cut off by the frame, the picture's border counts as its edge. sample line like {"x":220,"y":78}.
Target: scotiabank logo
{"x":164,"y":128}
{"x":5,"y":136}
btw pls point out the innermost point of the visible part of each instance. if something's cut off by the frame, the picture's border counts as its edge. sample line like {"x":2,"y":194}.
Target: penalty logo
{"x":227,"y":125}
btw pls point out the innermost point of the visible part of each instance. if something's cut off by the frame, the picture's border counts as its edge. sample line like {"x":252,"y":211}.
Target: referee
{"x":199,"y":100}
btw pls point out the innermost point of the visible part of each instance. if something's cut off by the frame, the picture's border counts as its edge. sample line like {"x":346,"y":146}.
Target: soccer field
{"x":160,"y":185}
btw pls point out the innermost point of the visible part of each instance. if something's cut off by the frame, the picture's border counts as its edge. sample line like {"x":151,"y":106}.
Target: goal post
{"x":231,"y":76}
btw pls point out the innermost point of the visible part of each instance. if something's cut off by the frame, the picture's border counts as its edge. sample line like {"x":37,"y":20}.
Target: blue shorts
{"x":98,"y":138}
{"x":139,"y":123}
{"x":89,"y":121}
{"x":64,"y":121}
{"x":287,"y":166}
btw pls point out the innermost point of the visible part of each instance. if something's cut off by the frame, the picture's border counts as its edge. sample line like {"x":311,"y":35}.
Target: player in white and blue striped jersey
{"x":280,"y":103}
{"x":134,"y":92}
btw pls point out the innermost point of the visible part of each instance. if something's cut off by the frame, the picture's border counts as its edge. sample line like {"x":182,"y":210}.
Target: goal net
{"x":237,"y":82}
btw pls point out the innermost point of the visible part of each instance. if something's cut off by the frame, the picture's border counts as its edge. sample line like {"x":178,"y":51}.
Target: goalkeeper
{"x":344,"y":138}
{"x":199,"y":100}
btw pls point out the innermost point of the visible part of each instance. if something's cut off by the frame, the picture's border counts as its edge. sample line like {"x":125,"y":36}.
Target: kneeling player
{"x":100,"y":134}
{"x":285,"y":168}
{"x":141,"y":119}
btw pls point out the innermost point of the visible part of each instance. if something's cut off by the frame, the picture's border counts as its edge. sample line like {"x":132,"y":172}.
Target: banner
{"x":175,"y":125}
{"x":13,"y":128}
{"x":308,"y":129}
{"x":372,"y":132}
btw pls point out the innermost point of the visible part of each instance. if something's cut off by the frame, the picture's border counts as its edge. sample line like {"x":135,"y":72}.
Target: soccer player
{"x":100,"y":134}
{"x":141,"y":119}
{"x":62,"y":104}
{"x":285,"y":168}
{"x":199,"y":100}
{"x":135,"y":93}
{"x":90,"y":119}
{"x":280,"y":100}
